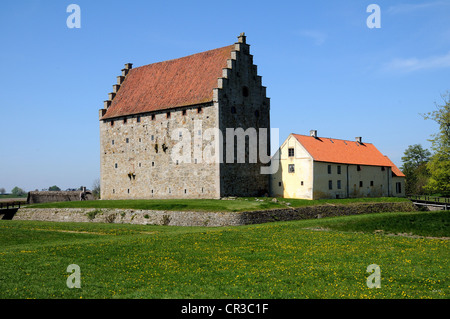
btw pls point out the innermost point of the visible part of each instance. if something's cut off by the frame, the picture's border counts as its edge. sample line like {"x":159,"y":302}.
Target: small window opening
{"x":291,"y":152}
{"x":233,"y":110}
{"x":153,"y":117}
{"x":138,"y":119}
{"x":184,"y":112}
{"x":168,"y":115}
{"x":245,"y":91}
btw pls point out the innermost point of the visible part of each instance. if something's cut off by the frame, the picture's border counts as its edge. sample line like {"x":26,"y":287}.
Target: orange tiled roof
{"x":395,"y":170}
{"x":342,"y":151}
{"x":180,"y":82}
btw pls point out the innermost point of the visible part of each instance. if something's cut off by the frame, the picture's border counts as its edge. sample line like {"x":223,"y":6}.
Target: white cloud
{"x":408,"y":7}
{"x":415,"y":64}
{"x":318,"y":37}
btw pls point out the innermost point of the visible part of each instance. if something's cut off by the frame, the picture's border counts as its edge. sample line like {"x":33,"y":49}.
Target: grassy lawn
{"x":320,"y":258}
{"x":212,"y":205}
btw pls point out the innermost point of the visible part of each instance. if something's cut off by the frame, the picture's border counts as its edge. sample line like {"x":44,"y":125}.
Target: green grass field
{"x":212,"y":205}
{"x":320,"y":258}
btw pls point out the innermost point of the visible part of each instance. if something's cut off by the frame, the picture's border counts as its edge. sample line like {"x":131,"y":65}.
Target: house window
{"x":168,"y":115}
{"x":112,"y":123}
{"x":339,"y":184}
{"x":301,"y":183}
{"x":329,"y":169}
{"x":138,"y":119}
{"x":125,"y":121}
{"x":153,"y":117}
{"x":339,"y":169}
{"x":199,"y":110}
{"x":371,"y":183}
{"x":128,"y":190}
{"x":360,"y":184}
{"x":330,"y":184}
{"x":184,"y":112}
{"x":127,"y":140}
{"x":398,"y":187}
{"x":115,"y":165}
{"x":358,"y":167}
{"x":291,"y":152}
{"x":152,"y":137}
{"x":257,"y":113}
{"x":233,"y":110}
{"x":279,"y":184}
{"x":153,"y":164}
{"x":112,"y":142}
{"x":291,"y":168}
{"x":383,"y":168}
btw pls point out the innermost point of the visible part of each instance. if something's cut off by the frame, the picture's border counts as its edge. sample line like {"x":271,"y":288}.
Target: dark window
{"x":279,"y":184}
{"x":115,"y":165}
{"x":112,"y":142}
{"x":360,"y":184}
{"x":184,"y":112}
{"x":339,"y":184}
{"x":371,"y":183}
{"x":291,"y":168}
{"x":199,"y":110}
{"x":257,"y":113}
{"x":233,"y":110}
{"x":127,"y":140}
{"x":245,"y":91}
{"x":339,"y":169}
{"x":125,"y":121}
{"x":291,"y":152}
{"x":112,"y":123}
{"x":168,"y":115}
{"x":329,"y":169}
{"x":153,"y":117}
{"x":358,"y":167}
{"x":138,"y":119}
{"x":383,"y":168}
{"x":153,"y":163}
{"x":128,"y":190}
{"x":301,"y":183}
{"x":330,"y":184}
{"x":398,"y":187}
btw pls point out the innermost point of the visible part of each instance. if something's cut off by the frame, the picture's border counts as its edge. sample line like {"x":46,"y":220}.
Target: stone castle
{"x":183,"y":107}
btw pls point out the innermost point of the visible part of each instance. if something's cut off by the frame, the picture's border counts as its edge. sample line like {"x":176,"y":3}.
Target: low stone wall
{"x":211,"y":219}
{"x":36,"y":197}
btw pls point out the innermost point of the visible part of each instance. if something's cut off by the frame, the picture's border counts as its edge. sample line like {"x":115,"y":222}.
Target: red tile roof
{"x":180,"y":82}
{"x":395,"y":170}
{"x":342,"y":151}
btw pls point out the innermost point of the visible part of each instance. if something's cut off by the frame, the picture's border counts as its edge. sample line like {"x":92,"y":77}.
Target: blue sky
{"x":323,"y":67}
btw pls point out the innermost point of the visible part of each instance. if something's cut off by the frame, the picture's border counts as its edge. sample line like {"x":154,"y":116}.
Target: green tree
{"x":414,"y":167}
{"x":17,"y":191}
{"x":54,"y":188}
{"x":439,"y":165}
